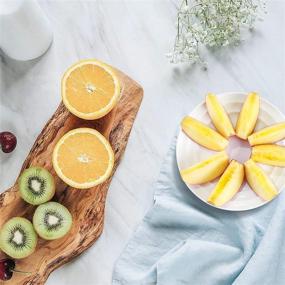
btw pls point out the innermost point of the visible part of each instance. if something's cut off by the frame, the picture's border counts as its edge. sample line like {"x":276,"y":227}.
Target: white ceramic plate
{"x":189,"y":153}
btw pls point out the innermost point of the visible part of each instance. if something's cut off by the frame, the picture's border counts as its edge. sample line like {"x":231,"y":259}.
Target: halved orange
{"x":83,"y":158}
{"x":90,"y":89}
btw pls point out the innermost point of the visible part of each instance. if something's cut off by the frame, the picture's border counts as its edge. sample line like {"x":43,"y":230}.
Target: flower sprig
{"x":212,"y":24}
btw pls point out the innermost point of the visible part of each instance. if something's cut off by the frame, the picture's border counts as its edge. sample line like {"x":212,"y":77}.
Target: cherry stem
{"x":18,"y":271}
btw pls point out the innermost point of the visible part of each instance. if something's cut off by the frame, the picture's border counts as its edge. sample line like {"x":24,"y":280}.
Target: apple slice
{"x":268,"y":135}
{"x":228,"y":185}
{"x":270,"y":154}
{"x":248,"y":116}
{"x":203,"y":135}
{"x":207,"y":170}
{"x":219,"y":116}
{"x":259,"y":182}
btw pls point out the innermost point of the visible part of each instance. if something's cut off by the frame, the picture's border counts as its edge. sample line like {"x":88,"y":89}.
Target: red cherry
{"x":8,"y":142}
{"x":7,"y":267}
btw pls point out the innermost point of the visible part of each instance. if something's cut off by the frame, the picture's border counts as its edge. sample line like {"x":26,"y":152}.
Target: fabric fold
{"x":182,"y":240}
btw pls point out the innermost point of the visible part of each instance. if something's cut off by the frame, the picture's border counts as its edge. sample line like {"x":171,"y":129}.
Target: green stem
{"x":21,"y":272}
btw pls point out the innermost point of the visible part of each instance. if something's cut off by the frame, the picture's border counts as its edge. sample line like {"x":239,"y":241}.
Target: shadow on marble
{"x":19,"y":68}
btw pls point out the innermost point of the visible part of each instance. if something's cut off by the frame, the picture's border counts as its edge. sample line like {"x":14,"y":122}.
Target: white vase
{"x":25,"y":31}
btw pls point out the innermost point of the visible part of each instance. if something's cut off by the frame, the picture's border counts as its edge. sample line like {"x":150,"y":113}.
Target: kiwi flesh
{"x":36,"y":185}
{"x":18,"y":238}
{"x":52,"y":221}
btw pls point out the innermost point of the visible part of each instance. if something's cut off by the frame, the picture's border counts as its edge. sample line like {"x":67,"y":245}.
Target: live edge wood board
{"x":86,"y":206}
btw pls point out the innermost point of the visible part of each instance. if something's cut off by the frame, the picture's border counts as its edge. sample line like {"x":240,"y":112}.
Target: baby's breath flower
{"x":212,"y":23}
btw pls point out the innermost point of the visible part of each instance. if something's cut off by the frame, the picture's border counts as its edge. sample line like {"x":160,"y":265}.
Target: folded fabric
{"x":184,"y":241}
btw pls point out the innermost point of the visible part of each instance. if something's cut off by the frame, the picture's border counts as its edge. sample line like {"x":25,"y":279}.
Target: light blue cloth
{"x":184,"y":241}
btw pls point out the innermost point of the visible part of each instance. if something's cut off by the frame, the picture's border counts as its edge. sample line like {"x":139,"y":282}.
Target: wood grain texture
{"x":86,"y":206}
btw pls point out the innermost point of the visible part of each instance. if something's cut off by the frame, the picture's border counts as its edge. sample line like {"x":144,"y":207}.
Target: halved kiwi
{"x":52,"y":221}
{"x":36,"y":185}
{"x":18,"y":238}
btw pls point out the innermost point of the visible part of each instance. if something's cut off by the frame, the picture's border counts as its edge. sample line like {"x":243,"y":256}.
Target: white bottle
{"x":25,"y":31}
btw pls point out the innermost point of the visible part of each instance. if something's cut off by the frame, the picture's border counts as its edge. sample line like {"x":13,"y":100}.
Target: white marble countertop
{"x":133,"y":36}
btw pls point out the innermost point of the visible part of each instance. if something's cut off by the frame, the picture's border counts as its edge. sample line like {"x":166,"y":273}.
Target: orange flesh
{"x":89,"y":88}
{"x":83,"y":158}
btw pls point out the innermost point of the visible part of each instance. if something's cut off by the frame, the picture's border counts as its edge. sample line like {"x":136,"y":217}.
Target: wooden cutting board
{"x":86,"y":206}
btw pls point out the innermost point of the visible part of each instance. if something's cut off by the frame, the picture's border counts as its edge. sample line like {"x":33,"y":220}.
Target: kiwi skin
{"x":8,"y":237}
{"x":61,"y":223}
{"x":40,"y":178}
